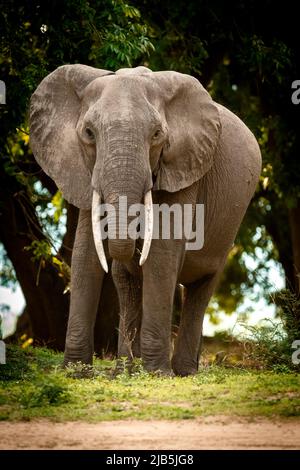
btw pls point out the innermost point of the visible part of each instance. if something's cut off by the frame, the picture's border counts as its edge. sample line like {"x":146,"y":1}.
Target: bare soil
{"x":204,"y":433}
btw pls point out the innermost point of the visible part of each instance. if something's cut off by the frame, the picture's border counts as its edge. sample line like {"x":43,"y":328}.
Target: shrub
{"x":16,"y":364}
{"x":270,"y":345}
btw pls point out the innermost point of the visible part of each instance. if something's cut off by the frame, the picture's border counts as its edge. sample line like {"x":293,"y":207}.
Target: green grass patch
{"x":33,"y":385}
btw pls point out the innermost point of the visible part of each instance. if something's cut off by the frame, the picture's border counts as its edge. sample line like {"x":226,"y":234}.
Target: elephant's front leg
{"x":160,"y":273}
{"x":86,"y":283}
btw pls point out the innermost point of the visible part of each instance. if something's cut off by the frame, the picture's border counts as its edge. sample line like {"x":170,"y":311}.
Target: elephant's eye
{"x":156,"y":134}
{"x":89,"y":133}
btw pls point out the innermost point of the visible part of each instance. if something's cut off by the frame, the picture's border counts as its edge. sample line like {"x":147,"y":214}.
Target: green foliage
{"x":125,"y":39}
{"x":40,"y":249}
{"x":266,"y":57}
{"x":269,"y":346}
{"x":58,"y":203}
{"x":42,"y":252}
{"x":270,"y":343}
{"x":104,"y":33}
{"x":16,"y":366}
{"x":45,"y":391}
{"x":178,"y":51}
{"x":289,"y":312}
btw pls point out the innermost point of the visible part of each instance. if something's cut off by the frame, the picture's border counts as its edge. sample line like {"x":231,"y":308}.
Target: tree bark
{"x":69,"y":237}
{"x":278,"y":228}
{"x":43,"y":289}
{"x":294,"y":222}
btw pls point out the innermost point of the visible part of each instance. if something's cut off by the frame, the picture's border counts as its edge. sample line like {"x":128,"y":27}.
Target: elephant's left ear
{"x":194,"y":130}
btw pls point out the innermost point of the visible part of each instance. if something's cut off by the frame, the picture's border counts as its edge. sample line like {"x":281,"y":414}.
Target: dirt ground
{"x":205,"y":433}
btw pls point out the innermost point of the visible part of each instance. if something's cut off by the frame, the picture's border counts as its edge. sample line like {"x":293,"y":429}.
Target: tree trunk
{"x":43,"y":289}
{"x":68,"y":240}
{"x":294,"y":221}
{"x":278,"y":228}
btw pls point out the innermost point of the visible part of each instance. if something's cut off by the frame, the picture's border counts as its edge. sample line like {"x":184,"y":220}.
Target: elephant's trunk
{"x":125,"y":180}
{"x":123,"y":249}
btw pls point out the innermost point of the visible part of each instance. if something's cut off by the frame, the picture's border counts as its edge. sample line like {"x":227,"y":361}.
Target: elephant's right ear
{"x":54,"y":112}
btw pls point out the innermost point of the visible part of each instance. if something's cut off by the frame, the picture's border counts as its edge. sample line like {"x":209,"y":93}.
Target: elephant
{"x":158,"y":138}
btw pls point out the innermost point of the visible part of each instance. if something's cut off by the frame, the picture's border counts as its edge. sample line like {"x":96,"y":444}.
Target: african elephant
{"x":156,"y":137}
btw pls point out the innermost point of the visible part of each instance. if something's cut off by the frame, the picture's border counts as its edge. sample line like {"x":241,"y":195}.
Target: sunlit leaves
{"x":58,"y":203}
{"x":120,"y":36}
{"x":121,"y":8}
{"x":40,"y":249}
{"x":42,"y":252}
{"x":18,"y":144}
{"x":122,"y":47}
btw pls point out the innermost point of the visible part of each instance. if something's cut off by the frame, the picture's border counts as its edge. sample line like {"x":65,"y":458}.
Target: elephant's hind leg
{"x":187,"y":348}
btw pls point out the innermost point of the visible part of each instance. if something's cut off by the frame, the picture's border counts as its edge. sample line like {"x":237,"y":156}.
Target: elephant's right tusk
{"x":148,"y":227}
{"x":97,"y":230}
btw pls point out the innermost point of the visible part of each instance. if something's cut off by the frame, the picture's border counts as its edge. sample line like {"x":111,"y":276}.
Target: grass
{"x":32,"y":385}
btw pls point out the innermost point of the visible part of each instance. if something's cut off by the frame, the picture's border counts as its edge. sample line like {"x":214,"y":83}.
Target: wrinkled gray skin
{"x":123,"y":134}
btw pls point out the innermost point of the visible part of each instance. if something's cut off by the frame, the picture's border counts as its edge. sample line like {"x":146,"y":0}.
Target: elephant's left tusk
{"x":97,"y":230}
{"x":148,"y":227}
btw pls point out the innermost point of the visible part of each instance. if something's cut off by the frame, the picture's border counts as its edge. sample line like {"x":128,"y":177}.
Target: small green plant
{"x":270,"y":344}
{"x":288,"y":304}
{"x":137,"y":369}
{"x":79,"y":370}
{"x":213,"y":374}
{"x":125,"y":369}
{"x":267,"y":345}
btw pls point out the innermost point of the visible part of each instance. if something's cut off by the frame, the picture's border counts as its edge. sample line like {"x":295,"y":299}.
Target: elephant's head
{"x":101,"y":135}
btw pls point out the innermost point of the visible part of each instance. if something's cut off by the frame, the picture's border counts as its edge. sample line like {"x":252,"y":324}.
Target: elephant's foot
{"x":183,"y":369}
{"x":78,"y":370}
{"x":185,"y":372}
{"x":73,"y":356}
{"x":162,"y":371}
{"x":78,"y":366}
